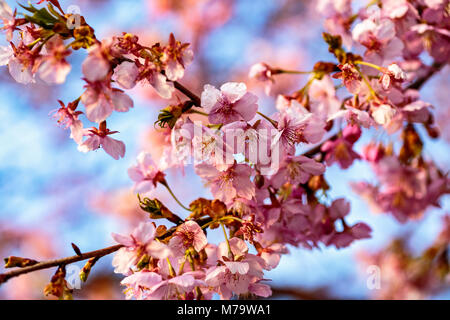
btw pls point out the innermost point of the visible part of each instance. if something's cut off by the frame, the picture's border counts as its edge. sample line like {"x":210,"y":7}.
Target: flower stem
{"x":198,"y":112}
{"x":374,"y":66}
{"x":230,"y":253}
{"x":280,"y":71}
{"x":273,"y":122}
{"x":371,"y":90}
{"x":165,"y":184}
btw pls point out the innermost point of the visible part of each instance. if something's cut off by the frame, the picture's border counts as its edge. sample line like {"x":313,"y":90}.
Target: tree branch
{"x":59,"y":262}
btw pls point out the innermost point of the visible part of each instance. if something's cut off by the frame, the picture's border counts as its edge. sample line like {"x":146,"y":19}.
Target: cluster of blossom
{"x":39,"y":49}
{"x":404,"y":275}
{"x":266,"y":194}
{"x":405,"y":189}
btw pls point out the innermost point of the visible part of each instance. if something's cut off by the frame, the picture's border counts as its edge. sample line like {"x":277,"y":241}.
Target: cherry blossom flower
{"x":272,"y":254}
{"x":53,"y":67}
{"x":140,"y":242}
{"x":8,"y":18}
{"x":227,"y":184}
{"x":176,"y":56}
{"x":100,"y":138}
{"x":149,"y":73}
{"x":21,"y":61}
{"x":145,"y":173}
{"x":172,"y":288}
{"x":383,"y":113}
{"x":340,"y":150}
{"x":297,"y":170}
{"x":126,"y":74}
{"x":97,"y":65}
{"x":323,"y":98}
{"x":392,"y":74}
{"x":68,"y":118}
{"x":231,"y":103}
{"x":238,"y":277}
{"x":139,"y":282}
{"x":262,"y":72}
{"x":378,"y":36}
{"x":253,"y":141}
{"x":395,"y":9}
{"x":350,"y":76}
{"x":434,"y":39}
{"x":189,"y":234}
{"x":100,"y":100}
{"x":354,"y":116}
{"x":338,"y":14}
{"x":294,"y":128}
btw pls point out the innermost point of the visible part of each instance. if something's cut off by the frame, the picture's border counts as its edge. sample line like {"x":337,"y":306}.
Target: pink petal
{"x":95,"y":68}
{"x":113,"y":147}
{"x":247,"y":106}
{"x":92,"y":143}
{"x":121,"y":101}
{"x":233,"y":90}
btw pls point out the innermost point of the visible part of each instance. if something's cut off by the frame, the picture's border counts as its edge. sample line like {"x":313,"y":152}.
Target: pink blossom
{"x":138,"y":283}
{"x":294,"y":128}
{"x":434,"y":39}
{"x":393,"y":74}
{"x":354,"y":116}
{"x":345,"y":238}
{"x":230,"y":183}
{"x":172,"y":288}
{"x":189,"y":234}
{"x":231,"y":103}
{"x":146,"y":285}
{"x":100,"y":138}
{"x":383,"y":113}
{"x":126,"y":74}
{"x":68,"y":118}
{"x":176,"y":56}
{"x":330,"y":7}
{"x":149,"y":73}
{"x":417,"y":111}
{"x":8,"y":18}
{"x":97,"y":66}
{"x":350,"y":76}
{"x":297,"y":170}
{"x":145,"y":173}
{"x":373,"y":152}
{"x":262,"y":72}
{"x":323,"y":97}
{"x":21,"y":62}
{"x":340,"y":151}
{"x":140,"y":242}
{"x":253,"y":141}
{"x":53,"y":67}
{"x":272,"y":255}
{"x":100,"y":100}
{"x":238,"y":276}
{"x":395,"y":8}
{"x":378,"y":36}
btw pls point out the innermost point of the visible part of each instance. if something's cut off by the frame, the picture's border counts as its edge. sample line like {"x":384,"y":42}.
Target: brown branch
{"x":82,"y":256}
{"x":188,"y":93}
{"x":59,"y":262}
{"x":436,"y":67}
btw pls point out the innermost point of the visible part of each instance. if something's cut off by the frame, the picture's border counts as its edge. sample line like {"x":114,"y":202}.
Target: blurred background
{"x":52,"y":195}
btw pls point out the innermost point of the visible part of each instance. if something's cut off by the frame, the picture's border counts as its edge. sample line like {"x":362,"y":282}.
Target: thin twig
{"x":58,"y":262}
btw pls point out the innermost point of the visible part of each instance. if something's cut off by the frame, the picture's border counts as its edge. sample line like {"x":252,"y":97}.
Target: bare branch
{"x":58,"y":262}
